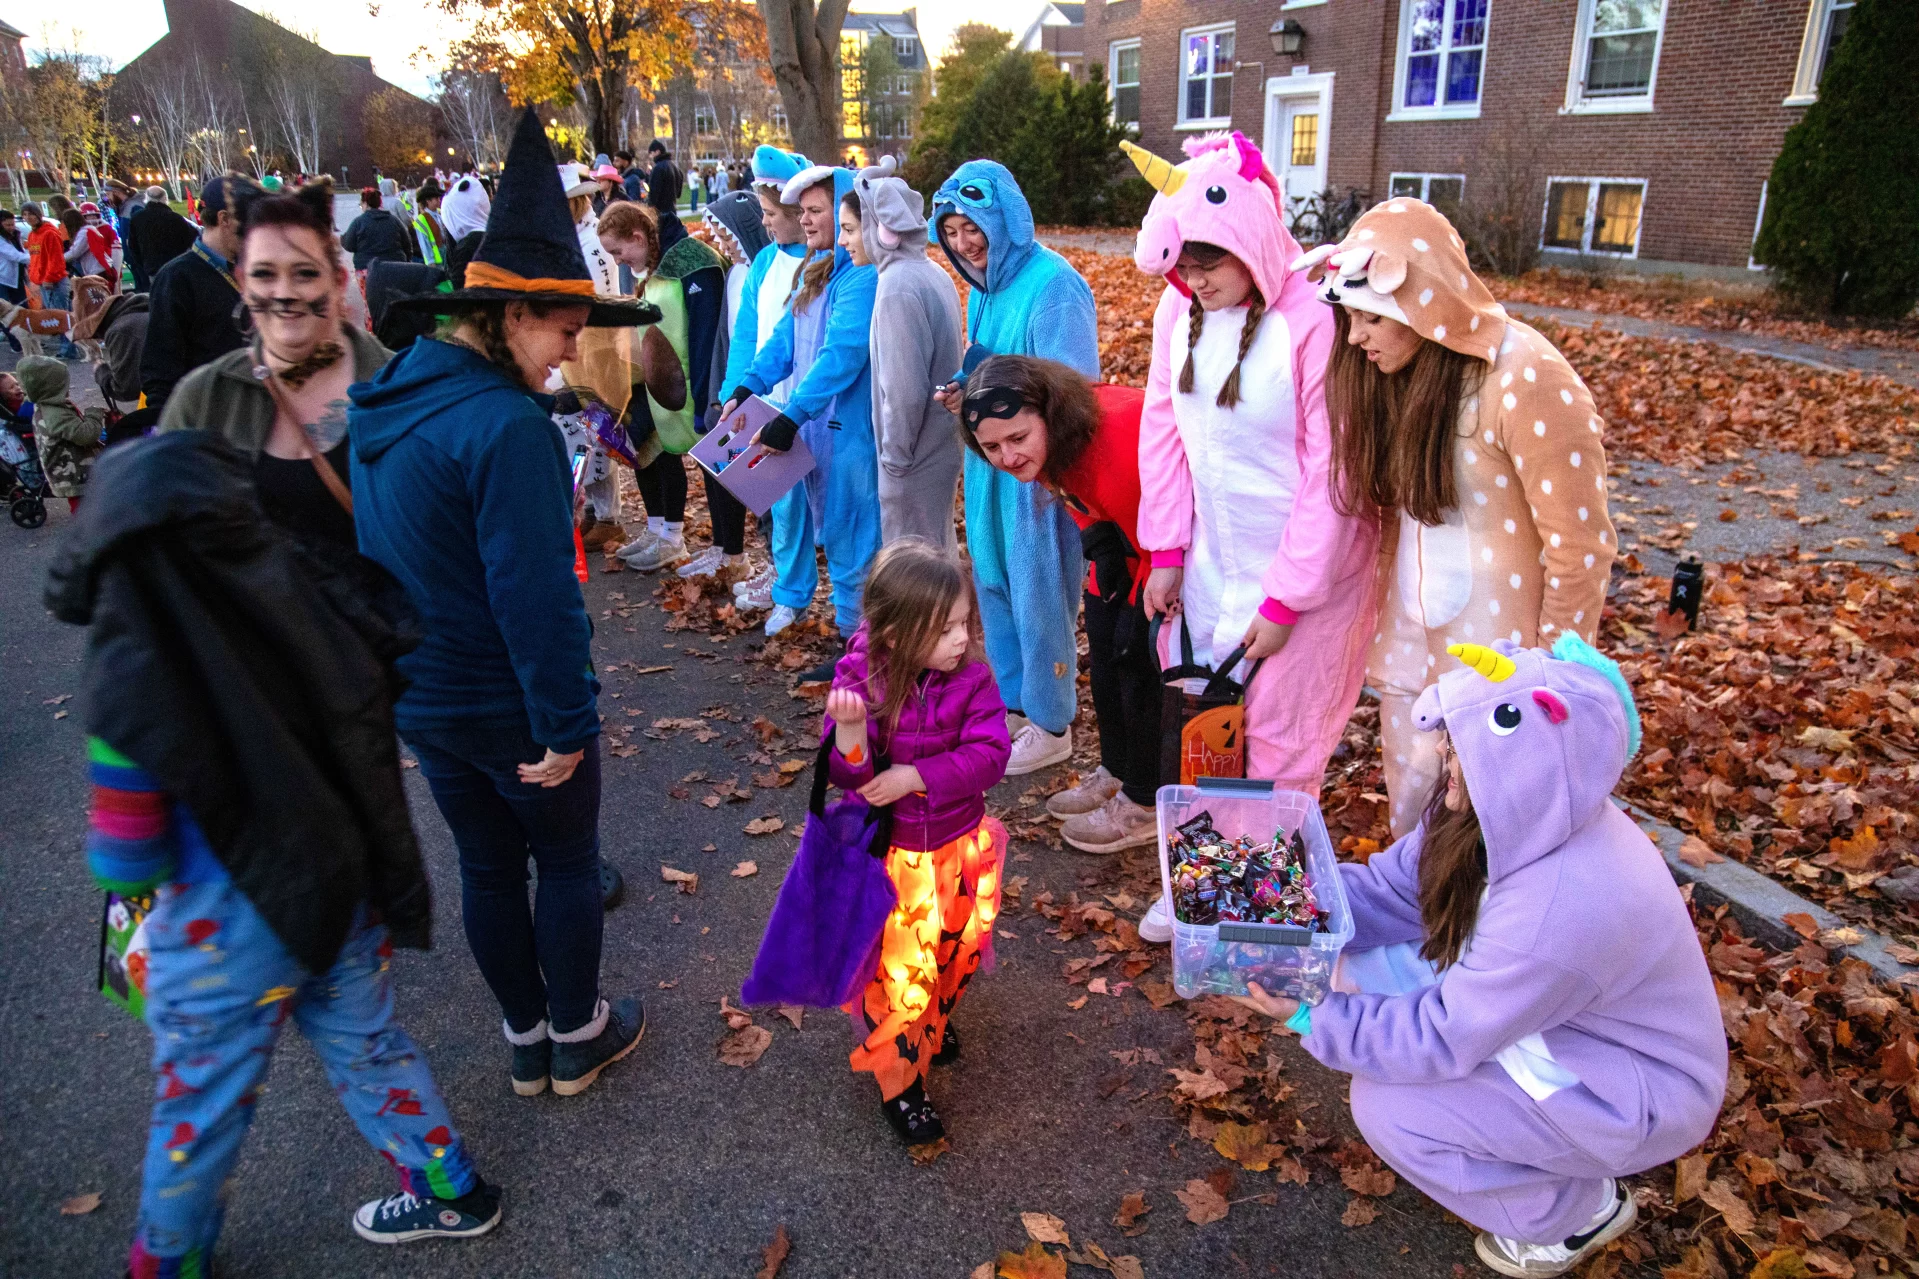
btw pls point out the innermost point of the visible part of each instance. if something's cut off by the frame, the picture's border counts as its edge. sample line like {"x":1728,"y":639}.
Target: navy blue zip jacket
{"x":461,"y":490}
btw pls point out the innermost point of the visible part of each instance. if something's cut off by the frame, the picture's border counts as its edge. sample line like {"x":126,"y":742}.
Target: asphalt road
{"x":673,"y":1165}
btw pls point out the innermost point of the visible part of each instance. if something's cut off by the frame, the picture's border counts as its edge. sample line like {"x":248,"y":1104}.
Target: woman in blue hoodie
{"x":462,"y":491}
{"x":1025,"y":300}
{"x":822,"y":343}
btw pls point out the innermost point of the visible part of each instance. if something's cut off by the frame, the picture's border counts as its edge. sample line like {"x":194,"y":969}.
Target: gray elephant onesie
{"x":915,"y":348}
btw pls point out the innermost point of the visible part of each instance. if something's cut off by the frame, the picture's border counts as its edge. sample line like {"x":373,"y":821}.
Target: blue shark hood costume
{"x":774,"y":168}
{"x":1026,"y":555}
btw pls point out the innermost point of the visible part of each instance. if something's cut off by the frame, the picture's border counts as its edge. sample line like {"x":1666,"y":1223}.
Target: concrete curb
{"x":1761,"y":904}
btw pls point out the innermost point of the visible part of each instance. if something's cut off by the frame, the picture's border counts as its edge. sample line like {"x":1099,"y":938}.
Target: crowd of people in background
{"x":1347,"y":466}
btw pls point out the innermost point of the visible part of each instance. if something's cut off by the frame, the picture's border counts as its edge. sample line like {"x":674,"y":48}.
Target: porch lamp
{"x":1288,"y":37}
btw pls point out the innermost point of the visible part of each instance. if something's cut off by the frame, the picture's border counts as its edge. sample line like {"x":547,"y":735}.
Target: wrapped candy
{"x":1221,"y":880}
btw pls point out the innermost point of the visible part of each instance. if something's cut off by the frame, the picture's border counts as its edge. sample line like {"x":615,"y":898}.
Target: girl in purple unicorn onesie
{"x":1524,"y":1009}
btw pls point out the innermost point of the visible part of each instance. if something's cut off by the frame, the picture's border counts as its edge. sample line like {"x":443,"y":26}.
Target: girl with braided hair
{"x":1247,"y":547}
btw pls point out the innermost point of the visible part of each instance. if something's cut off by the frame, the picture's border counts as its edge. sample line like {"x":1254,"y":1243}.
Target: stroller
{"x":20,"y":474}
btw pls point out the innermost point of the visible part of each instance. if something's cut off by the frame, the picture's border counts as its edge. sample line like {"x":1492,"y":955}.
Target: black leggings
{"x":662,"y":485}
{"x":1126,"y":696}
{"x":729,"y":516}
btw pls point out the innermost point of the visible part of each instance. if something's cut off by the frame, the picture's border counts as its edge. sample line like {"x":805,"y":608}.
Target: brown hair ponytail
{"x":1209,"y":256}
{"x":1195,"y":322}
{"x":1452,"y":874}
{"x":1255,"y":312}
{"x":1393,"y":432}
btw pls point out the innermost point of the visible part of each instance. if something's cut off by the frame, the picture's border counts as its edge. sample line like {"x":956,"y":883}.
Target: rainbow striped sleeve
{"x":130,"y":845}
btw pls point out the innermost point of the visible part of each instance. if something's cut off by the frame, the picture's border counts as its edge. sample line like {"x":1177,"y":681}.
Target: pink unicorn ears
{"x":1550,"y":703}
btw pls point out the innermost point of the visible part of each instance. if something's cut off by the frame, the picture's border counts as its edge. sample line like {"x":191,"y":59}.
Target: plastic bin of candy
{"x":1220,"y":958}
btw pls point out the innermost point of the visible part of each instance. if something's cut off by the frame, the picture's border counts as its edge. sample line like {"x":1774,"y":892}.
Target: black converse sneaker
{"x":579,"y":1056}
{"x":913,"y":1116}
{"x":404,"y":1217}
{"x":1544,"y":1260}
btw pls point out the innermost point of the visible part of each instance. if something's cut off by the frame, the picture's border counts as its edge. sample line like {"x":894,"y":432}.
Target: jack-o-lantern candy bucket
{"x":1202,"y":715}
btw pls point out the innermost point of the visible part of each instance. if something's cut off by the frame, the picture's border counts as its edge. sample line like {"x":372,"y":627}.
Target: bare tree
{"x":295,"y":100}
{"x":164,"y":96}
{"x":476,"y":111}
{"x":803,"y":42}
{"x":217,"y":114}
{"x":1505,"y":191}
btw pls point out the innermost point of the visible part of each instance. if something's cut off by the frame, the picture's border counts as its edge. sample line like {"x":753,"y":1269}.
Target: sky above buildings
{"x":391,"y":31}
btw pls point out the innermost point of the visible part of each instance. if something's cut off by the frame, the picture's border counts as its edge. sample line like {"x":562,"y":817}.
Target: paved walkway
{"x":1898,"y":365}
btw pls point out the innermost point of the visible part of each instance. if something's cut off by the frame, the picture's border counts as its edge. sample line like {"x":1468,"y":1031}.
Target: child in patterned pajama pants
{"x":929,"y":950}
{"x":220,"y":988}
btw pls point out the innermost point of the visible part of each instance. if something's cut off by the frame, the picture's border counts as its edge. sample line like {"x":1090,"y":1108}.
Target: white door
{"x":1300,"y":164}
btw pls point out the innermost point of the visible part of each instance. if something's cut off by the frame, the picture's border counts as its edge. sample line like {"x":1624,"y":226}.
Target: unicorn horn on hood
{"x":1495,"y":666}
{"x":1165,"y":178}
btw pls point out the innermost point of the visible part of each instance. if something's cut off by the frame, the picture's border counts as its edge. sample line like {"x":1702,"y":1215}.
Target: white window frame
{"x":1214,"y":29}
{"x":1441,"y":109}
{"x":1577,"y":103}
{"x":1425,"y":183}
{"x":1113,"y":51}
{"x":1758,"y":221}
{"x":1592,"y":216}
{"x":905,"y":46}
{"x":1812,"y":51}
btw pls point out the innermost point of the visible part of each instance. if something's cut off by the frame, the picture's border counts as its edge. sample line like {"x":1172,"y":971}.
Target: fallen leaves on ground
{"x":1091,"y":1254}
{"x":1034,"y":1263}
{"x":927,"y":1152}
{"x":1662,"y":399}
{"x":1045,"y":1228}
{"x":745,"y":870}
{"x":774,"y":1254}
{"x":764,"y":825}
{"x":1246,"y":1145}
{"x":686,"y":881}
{"x":745,"y":1046}
{"x":793,"y":1013}
{"x":80,"y":1205}
{"x":1701,"y":304}
{"x":1132,"y":1206}
{"x":1359,"y":1212}
{"x":1203,"y":1203}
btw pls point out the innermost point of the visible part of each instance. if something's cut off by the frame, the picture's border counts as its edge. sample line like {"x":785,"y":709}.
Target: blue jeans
{"x":541,"y":961}
{"x":220,"y":988}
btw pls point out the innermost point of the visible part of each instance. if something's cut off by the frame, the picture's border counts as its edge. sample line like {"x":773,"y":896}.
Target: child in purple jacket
{"x":915,"y":693}
{"x":1524,"y":1008}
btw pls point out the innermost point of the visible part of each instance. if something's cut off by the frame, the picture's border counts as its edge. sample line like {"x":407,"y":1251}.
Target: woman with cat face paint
{"x":282,"y":397}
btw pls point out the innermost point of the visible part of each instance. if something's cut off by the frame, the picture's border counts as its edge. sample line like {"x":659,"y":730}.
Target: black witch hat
{"x":531,"y":251}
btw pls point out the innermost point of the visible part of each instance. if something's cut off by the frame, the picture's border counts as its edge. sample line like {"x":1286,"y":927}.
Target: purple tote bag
{"x":820,"y":942}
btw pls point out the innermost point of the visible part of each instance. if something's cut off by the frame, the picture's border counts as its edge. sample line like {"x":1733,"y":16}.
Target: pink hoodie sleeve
{"x":1320,"y":547}
{"x":1165,"y":484}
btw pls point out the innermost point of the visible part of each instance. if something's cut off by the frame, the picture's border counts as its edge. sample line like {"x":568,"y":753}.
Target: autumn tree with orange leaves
{"x":587,"y":52}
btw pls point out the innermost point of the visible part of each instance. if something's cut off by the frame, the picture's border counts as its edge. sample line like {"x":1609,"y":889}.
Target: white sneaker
{"x":1015,"y":722}
{"x":705,"y":564}
{"x":1034,"y":748}
{"x":1156,"y":925}
{"x":1543,"y":1260}
{"x":779,"y":619}
{"x":660,"y":553}
{"x":757,"y":584}
{"x":755,"y":600}
{"x":1093,"y":790}
{"x":646,"y":538}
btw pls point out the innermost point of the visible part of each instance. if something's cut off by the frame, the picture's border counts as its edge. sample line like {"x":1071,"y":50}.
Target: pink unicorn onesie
{"x":1234,"y":460}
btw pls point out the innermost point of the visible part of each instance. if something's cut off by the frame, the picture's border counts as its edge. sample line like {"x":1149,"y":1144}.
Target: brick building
{"x":1638,"y":129}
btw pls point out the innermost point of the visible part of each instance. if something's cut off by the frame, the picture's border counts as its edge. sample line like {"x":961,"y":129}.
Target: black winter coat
{"x":377,"y":236}
{"x":190,"y":321}
{"x":254,"y":678}
{"x":155,"y":236}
